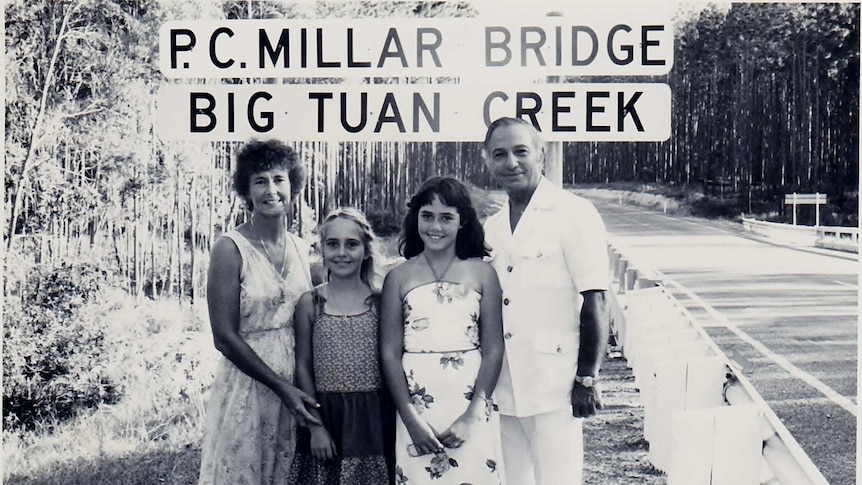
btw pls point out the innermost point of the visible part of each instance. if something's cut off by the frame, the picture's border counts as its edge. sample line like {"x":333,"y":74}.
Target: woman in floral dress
{"x":442,"y":343}
{"x":257,"y":273}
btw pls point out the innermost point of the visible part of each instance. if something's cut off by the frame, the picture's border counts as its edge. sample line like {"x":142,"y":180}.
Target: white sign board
{"x":445,"y":79}
{"x":590,"y":44}
{"x":419,"y":112}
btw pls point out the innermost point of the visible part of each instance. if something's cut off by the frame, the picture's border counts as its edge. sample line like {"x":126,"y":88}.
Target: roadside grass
{"x":163,"y":359}
{"x":178,"y":466}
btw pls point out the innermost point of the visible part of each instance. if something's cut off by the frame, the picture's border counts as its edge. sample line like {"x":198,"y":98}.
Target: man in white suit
{"x":549,"y":250}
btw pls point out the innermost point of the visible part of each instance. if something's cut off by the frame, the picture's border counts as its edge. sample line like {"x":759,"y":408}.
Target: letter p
{"x":177,"y":47}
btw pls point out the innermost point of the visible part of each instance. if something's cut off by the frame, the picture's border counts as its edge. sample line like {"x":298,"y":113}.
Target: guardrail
{"x":840,"y":238}
{"x":705,"y":423}
{"x":785,"y":233}
{"x":827,"y":237}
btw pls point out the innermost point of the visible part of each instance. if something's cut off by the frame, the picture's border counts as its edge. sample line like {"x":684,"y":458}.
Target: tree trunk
{"x":194,"y":246}
{"x":29,"y":159}
{"x":179,"y":234}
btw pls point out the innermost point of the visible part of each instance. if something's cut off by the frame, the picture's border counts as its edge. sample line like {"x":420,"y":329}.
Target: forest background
{"x":108,"y":228}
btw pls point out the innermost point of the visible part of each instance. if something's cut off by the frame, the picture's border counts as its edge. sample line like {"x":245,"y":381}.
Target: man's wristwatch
{"x":586,"y":381}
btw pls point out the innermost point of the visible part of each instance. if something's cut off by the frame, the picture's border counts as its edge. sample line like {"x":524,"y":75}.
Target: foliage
{"x":714,"y":207}
{"x":53,"y":359}
{"x":78,"y":100}
{"x":376,"y":9}
{"x":82,"y":163}
{"x":764,"y":96}
{"x":161,"y":360}
{"x":385,"y":222}
{"x":484,"y":203}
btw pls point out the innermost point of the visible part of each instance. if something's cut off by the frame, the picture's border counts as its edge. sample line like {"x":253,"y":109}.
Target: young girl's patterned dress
{"x":354,"y":406}
{"x":441,"y":361}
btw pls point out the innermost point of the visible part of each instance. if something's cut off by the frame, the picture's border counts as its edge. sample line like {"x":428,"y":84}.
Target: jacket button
{"x":505,"y":301}
{"x":509,"y":269}
{"x":507,"y":335}
{"x":559,"y":349}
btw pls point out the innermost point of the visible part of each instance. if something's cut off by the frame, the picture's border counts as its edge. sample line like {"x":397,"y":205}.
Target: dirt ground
{"x":615,"y":451}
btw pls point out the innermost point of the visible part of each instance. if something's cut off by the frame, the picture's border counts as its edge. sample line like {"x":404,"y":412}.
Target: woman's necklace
{"x":266,"y":251}
{"x":438,"y":279}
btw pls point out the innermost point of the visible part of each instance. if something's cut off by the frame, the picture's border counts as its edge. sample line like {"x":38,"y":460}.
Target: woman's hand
{"x":459,"y":431}
{"x":322,"y":446}
{"x":423,"y":436}
{"x":295,"y":400}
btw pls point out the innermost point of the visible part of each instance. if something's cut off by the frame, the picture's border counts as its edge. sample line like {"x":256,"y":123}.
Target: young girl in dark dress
{"x":337,"y":362}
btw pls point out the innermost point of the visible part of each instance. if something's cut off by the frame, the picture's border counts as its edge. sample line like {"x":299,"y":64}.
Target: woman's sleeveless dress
{"x":354,"y":406}
{"x":441,"y":361}
{"x":249,"y":435}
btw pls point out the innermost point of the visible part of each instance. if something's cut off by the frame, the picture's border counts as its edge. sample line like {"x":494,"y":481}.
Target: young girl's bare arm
{"x":391,"y":351}
{"x":322,"y":446}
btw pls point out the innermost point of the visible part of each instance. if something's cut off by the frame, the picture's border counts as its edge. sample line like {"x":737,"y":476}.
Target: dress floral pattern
{"x":249,"y":435}
{"x":441,"y":361}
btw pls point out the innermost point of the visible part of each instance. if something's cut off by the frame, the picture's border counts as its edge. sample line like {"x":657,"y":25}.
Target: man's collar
{"x":543,"y":197}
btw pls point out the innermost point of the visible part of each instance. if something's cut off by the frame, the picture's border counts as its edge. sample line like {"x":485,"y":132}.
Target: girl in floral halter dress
{"x":442,"y":342}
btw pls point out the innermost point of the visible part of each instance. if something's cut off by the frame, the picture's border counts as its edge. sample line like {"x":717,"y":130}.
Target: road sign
{"x":797,"y":199}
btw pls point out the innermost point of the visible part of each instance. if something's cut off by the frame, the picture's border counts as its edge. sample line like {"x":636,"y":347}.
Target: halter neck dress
{"x":441,"y":361}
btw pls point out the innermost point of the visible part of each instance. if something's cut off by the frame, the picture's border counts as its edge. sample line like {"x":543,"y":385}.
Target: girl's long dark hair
{"x":470,"y":242}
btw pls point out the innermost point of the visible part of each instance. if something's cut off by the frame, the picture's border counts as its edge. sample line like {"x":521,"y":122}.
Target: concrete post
{"x":817,"y":209}
{"x":554,"y":162}
{"x":794,"y":208}
{"x":554,"y":149}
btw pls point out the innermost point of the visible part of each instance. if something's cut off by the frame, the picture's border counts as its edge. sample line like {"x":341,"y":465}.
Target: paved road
{"x":795,"y":313}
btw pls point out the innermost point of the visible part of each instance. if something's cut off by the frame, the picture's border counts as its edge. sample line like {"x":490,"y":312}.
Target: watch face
{"x":588,"y":381}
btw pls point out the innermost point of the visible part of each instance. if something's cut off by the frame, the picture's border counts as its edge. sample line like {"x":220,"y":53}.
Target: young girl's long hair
{"x":470,"y":242}
{"x":368,"y":272}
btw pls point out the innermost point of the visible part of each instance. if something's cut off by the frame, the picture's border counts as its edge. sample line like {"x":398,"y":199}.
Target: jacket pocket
{"x":557,"y":360}
{"x":543,"y":264}
{"x":556,"y":343}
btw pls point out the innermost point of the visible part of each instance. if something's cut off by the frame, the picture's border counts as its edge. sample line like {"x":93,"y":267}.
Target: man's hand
{"x":585,"y":400}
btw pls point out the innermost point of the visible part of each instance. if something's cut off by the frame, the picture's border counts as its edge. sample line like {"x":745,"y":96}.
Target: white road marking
{"x":845,"y":284}
{"x":837,"y":398}
{"x":802,"y":401}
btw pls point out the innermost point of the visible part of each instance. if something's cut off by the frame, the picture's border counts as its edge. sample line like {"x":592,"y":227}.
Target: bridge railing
{"x":828,"y":237}
{"x":704,"y":421}
{"x":841,"y":238}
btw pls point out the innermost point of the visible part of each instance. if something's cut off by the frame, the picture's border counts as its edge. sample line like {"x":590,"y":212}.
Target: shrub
{"x":385,"y":222}
{"x":52,"y":358}
{"x":483,"y":202}
{"x":714,"y":207}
